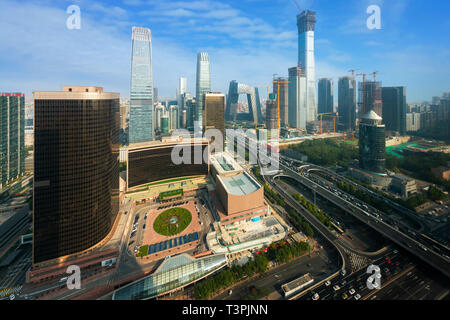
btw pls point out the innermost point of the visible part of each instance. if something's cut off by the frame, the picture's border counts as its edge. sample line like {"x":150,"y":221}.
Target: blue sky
{"x":248,"y":41}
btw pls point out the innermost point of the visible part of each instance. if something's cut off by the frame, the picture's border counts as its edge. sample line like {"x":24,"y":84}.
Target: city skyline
{"x":403,"y":59}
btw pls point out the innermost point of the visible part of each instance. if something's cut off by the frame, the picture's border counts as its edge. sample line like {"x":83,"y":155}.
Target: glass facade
{"x":203,"y":83}
{"x":306,"y":23}
{"x":372,"y":143}
{"x":394,"y":109}
{"x":173,"y":273}
{"x":141,"y":123}
{"x":325,"y":95}
{"x":12,"y":136}
{"x":214,"y":113}
{"x":155,"y":163}
{"x":76,"y":177}
{"x":347,"y":102}
{"x":297,"y":107}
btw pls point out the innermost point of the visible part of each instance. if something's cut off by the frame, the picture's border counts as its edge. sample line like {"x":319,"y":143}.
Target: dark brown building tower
{"x":76,"y":170}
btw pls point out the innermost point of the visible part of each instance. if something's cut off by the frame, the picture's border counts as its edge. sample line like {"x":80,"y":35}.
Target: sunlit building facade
{"x":141,"y":123}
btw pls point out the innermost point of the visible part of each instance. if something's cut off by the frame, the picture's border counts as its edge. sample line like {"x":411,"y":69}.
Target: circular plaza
{"x":172,"y":221}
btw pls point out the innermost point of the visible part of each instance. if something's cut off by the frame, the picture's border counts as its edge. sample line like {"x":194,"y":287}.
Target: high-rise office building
{"x":159,"y":110}
{"x":283,"y":97}
{"x":305,"y":23}
{"x":174,"y":118}
{"x":347,"y":102}
{"x":369,"y":98}
{"x":76,"y":170}
{"x":155,"y":95}
{"x":394,"y":109}
{"x":325,"y":95}
{"x":203,"y":83}
{"x":12,"y":136}
{"x":372,"y":143}
{"x":214,"y":112}
{"x":297,"y":106}
{"x":141,"y":126}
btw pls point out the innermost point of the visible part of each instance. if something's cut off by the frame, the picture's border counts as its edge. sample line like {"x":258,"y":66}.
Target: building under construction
{"x":369,"y":98}
{"x":271,"y":112}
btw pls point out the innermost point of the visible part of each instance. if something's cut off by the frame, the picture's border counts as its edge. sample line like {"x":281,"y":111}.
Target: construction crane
{"x":296,"y":4}
{"x":374,"y":75}
{"x":352,"y":71}
{"x":328,"y":114}
{"x":278,"y":81}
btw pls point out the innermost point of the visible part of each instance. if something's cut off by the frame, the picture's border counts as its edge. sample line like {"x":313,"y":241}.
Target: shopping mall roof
{"x":224,"y":163}
{"x":173,"y":273}
{"x":240,"y":184}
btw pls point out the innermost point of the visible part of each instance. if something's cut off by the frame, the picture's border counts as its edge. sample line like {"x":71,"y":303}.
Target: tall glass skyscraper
{"x":326,"y":94}
{"x":347,"y":102}
{"x":12,"y":136}
{"x":141,"y":125}
{"x":305,"y":23}
{"x":203,"y":83}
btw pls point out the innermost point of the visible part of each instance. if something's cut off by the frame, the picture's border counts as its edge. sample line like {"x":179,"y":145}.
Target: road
{"x":320,"y":267}
{"x":437,"y":261}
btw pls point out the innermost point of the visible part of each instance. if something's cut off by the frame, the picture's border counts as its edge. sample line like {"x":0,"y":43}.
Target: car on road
{"x":344,"y":296}
{"x":327,"y":283}
{"x":352,"y":291}
{"x":336,"y":287}
{"x":316,"y":296}
{"x":343,"y":272}
{"x":357,"y":296}
{"x":343,"y":282}
{"x":143,"y":227}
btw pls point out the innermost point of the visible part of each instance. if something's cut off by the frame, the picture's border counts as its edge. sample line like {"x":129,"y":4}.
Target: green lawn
{"x":172,"y":221}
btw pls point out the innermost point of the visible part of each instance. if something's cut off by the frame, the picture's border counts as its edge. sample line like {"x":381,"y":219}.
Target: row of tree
{"x":327,"y":152}
{"x":319,"y":214}
{"x":279,"y":252}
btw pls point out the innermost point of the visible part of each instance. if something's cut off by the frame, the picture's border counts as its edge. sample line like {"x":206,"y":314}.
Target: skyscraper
{"x":12,"y":136}
{"x":305,"y":23}
{"x":272,"y":112}
{"x":174,"y":117}
{"x":297,"y":108}
{"x":369,"y":98}
{"x":394,"y":109}
{"x":141,"y":126}
{"x":283,"y":96}
{"x":76,"y":170}
{"x":325,"y":95}
{"x":203,"y":83}
{"x":214,"y":112}
{"x":347,"y":102}
{"x":372,"y":143}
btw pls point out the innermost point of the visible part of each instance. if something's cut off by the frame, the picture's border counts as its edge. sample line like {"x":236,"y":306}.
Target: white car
{"x":351,"y":291}
{"x":327,"y":283}
{"x":336,"y":287}
{"x":315,"y":296}
{"x":357,"y":296}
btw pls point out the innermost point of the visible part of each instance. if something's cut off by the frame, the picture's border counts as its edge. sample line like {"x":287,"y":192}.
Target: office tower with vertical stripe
{"x":141,"y":125}
{"x":203,"y":83}
{"x":12,"y":136}
{"x":347,"y":102}
{"x":306,"y":23}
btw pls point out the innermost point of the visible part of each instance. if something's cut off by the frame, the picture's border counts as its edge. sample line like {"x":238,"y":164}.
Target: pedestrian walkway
{"x":357,"y":262}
